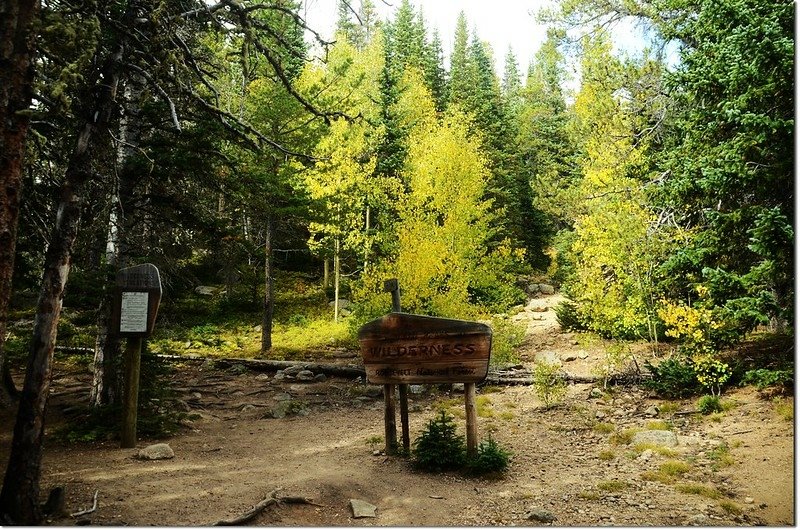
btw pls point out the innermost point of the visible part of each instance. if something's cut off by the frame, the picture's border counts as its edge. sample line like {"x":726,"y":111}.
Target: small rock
{"x":599,"y":414}
{"x":156,"y":452}
{"x":279,"y":375}
{"x":248,"y":408}
{"x":196,"y":395}
{"x":569,"y":357}
{"x":262,"y":377}
{"x":293,"y":370}
{"x":541,"y":516}
{"x":697,"y":520}
{"x":458,"y":387}
{"x":416,"y":389}
{"x":362,"y":509}
{"x":651,"y":411}
{"x":749,"y":500}
{"x":283,"y":396}
{"x":546,"y":289}
{"x":344,"y":303}
{"x":660,"y":438}
{"x":582,"y":354}
{"x":574,"y":342}
{"x":305,"y":375}
{"x":204,"y":290}
{"x":596,"y":393}
{"x":320,"y":378}
{"x":646,"y":455}
{"x":532,"y":288}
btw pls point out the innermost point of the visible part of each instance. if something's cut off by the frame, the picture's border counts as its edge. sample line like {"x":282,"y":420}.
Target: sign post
{"x":391,"y":286}
{"x":401,"y":348}
{"x":136,"y":298}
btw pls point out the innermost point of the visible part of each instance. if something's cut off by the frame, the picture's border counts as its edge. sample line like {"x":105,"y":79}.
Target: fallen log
{"x":524,"y":379}
{"x":265,"y":365}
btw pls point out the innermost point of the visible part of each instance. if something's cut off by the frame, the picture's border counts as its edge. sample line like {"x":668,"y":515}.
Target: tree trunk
{"x":16,"y":89}
{"x":106,"y":381}
{"x":269,"y":302}
{"x":19,"y":500}
{"x":326,"y":273}
{"x":336,"y":270}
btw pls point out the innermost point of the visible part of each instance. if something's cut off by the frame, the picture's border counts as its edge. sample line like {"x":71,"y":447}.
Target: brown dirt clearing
{"x":565,"y":460}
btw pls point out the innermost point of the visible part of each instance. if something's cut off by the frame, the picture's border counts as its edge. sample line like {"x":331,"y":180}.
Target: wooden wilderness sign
{"x":136,"y":298}
{"x":402,"y":348}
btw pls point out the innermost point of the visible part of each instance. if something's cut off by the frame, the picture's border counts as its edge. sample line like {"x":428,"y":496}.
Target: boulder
{"x":156,"y":452}
{"x":205,"y":290}
{"x":545,"y":288}
{"x":659,"y":438}
{"x":344,"y":303}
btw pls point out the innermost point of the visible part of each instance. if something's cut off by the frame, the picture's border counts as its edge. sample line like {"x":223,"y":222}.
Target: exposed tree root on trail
{"x":270,"y":500}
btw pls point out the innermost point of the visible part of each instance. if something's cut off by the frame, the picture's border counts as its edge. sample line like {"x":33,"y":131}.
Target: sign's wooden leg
{"x":472,"y":419}
{"x":390,"y":424}
{"x":132,"y":359}
{"x":404,"y":417}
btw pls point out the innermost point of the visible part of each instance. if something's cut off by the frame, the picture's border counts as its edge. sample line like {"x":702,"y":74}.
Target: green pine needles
{"x":440,"y":448}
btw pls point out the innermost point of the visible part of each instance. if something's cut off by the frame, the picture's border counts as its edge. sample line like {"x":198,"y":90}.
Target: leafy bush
{"x":548,"y":384}
{"x":439,"y":448}
{"x":763,"y":378}
{"x":709,"y":405}
{"x":673,"y":378}
{"x":568,"y":318}
{"x":506,"y":338}
{"x":490,"y":458}
{"x":711,"y":373}
{"x":298,"y":320}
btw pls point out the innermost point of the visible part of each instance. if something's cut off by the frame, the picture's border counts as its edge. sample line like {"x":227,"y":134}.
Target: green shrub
{"x":490,"y":458}
{"x":709,"y":404}
{"x":298,"y":320}
{"x":439,"y":448}
{"x":673,"y":378}
{"x":763,"y":378}
{"x":548,"y":384}
{"x":568,"y":318}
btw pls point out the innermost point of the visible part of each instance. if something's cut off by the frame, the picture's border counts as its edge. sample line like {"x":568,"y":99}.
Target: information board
{"x":403,"y":348}
{"x":136,"y":300}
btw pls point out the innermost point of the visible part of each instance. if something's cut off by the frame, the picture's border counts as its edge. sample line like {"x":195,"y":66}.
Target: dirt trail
{"x":563,"y":465}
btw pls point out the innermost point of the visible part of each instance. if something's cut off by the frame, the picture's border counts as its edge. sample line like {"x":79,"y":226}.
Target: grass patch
{"x":730,"y":507}
{"x":588,"y":495}
{"x":603,"y":428}
{"x":721,"y":457}
{"x":784,"y":407}
{"x":624,"y":437}
{"x":612,"y":486}
{"x":507,"y":415}
{"x":483,"y":406}
{"x":668,"y":407}
{"x":668,"y":472}
{"x":693,"y":488}
{"x":658,"y":425}
{"x":606,"y":454}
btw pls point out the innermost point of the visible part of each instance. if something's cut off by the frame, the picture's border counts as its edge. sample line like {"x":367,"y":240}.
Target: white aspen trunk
{"x":336,"y":282}
{"x":366,"y":242}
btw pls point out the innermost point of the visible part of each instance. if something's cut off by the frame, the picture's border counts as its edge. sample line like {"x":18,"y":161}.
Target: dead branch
{"x":270,"y":500}
{"x":90,"y":510}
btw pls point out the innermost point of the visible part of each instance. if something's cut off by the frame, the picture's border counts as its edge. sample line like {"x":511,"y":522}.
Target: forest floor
{"x":572,"y":464}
